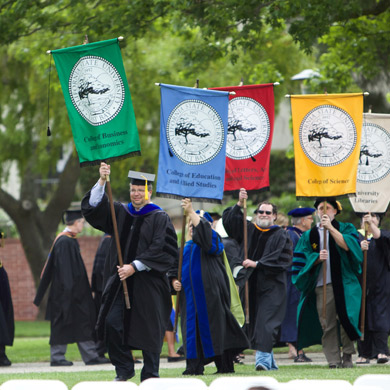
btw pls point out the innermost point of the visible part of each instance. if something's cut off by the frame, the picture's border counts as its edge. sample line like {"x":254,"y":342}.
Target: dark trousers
{"x":2,"y":351}
{"x":374,"y":343}
{"x":120,"y":353}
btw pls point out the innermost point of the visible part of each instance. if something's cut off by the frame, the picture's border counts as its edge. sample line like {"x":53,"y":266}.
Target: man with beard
{"x":343,"y":258}
{"x":269,"y":257}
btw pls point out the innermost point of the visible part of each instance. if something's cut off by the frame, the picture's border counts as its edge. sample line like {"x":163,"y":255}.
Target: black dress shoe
{"x":173,"y":359}
{"x":61,"y":363}
{"x":5,"y":362}
{"x":192,"y":372}
{"x":98,"y":360}
{"x":219,"y":372}
{"x":122,"y":378}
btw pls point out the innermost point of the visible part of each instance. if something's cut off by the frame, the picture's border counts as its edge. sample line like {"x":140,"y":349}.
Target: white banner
{"x":373,"y":178}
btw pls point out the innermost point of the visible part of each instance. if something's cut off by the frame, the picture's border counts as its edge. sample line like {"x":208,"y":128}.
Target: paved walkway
{"x":17,"y":368}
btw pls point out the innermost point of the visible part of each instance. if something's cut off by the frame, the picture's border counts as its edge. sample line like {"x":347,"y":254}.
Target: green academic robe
{"x":345,"y":268}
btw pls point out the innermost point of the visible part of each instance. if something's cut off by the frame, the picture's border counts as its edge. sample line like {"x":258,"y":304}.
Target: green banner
{"x":98,"y":101}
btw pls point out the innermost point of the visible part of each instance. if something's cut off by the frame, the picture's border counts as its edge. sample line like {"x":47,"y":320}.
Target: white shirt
{"x":96,"y":197}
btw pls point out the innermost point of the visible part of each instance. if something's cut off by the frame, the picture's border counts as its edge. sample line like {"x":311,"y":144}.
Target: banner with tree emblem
{"x":327,"y":132}
{"x":249,"y":136}
{"x":98,"y":101}
{"x":192,"y":143}
{"x":373,"y":175}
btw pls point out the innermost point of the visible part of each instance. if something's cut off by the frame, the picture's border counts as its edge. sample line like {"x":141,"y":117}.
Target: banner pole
{"x":245,"y":257}
{"x":182,"y":243}
{"x":116,"y":235}
{"x":364,"y":286}
{"x":324,"y":272}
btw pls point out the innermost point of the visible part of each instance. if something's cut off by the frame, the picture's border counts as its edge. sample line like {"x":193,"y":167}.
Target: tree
{"x":24,"y":143}
{"x":356,"y":57}
{"x":159,"y":50}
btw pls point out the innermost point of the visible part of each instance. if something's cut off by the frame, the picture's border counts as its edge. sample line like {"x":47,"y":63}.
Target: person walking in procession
{"x":301,"y":220}
{"x":343,"y":258}
{"x":7,"y":324}
{"x":210,"y":330}
{"x":149,"y":247}
{"x":269,"y":258}
{"x":70,"y":307}
{"x":377,"y":324}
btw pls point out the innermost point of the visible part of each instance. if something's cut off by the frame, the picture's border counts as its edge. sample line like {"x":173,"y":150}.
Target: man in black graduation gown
{"x":377,"y":322}
{"x":7,"y":325}
{"x":70,"y":306}
{"x":269,"y":257}
{"x":149,"y":247}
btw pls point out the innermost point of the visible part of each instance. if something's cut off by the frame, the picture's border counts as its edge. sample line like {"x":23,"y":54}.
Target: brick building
{"x":20,"y":277}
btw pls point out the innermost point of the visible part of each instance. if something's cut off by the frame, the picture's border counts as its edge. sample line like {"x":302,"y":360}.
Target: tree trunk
{"x":37,"y":229}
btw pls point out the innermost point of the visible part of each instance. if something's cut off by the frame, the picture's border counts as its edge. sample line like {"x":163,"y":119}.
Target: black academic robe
{"x":268,"y":281}
{"x":70,"y":307}
{"x":289,"y":329}
{"x":7,"y":325}
{"x":147,"y":236}
{"x":378,"y":283}
{"x":97,"y":282}
{"x":205,"y":298}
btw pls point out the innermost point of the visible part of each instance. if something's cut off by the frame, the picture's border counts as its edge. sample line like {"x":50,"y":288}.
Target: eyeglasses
{"x":263,"y":212}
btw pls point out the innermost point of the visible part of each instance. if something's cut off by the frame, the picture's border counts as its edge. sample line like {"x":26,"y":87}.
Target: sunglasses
{"x":263,"y":212}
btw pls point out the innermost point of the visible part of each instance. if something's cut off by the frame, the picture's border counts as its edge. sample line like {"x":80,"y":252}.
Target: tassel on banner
{"x":48,"y":133}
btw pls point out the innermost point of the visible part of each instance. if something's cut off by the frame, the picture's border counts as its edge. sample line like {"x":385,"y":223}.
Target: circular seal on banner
{"x":96,"y":90}
{"x":374,"y":159}
{"x":195,"y":132}
{"x":248,"y":129}
{"x":327,"y":135}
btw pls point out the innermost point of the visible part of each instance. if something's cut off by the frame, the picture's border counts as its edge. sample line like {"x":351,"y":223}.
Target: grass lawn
{"x":32,"y":345}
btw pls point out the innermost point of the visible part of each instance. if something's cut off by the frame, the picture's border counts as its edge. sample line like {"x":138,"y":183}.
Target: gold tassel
{"x":146,"y":188}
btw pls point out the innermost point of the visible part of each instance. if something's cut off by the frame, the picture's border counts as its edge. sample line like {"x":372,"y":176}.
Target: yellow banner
{"x":327,"y":133}
{"x":373,"y":176}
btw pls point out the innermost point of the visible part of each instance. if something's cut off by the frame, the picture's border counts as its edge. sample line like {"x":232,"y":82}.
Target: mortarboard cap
{"x":332,"y":200}
{"x":205,"y":215}
{"x":140,"y":178}
{"x":69,"y":216}
{"x":301,"y":212}
{"x":215,"y":215}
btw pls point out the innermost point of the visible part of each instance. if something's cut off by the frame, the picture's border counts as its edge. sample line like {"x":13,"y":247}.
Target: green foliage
{"x":176,"y":42}
{"x":355,"y":58}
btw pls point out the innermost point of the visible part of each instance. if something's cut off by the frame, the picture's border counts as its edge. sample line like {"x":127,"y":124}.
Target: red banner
{"x":249,"y":137}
